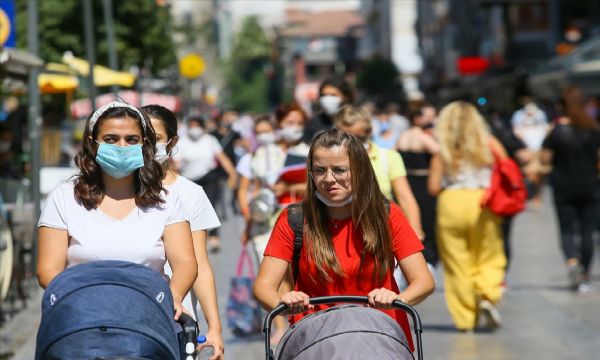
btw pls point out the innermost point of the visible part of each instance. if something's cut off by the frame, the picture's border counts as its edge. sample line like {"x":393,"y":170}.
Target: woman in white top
{"x":202,"y":217}
{"x":113,"y":209}
{"x":197,"y":158}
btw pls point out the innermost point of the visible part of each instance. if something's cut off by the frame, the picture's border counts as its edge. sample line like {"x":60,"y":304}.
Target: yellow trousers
{"x":470,"y":246}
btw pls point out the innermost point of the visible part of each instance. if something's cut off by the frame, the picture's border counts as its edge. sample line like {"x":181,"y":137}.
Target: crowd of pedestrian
{"x":387,"y":201}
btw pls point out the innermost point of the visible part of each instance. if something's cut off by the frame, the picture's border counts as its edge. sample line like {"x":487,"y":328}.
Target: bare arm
{"x":243,"y":196}
{"x":228,"y":167}
{"x":52,"y":254}
{"x":436,"y":170}
{"x":180,"y":254}
{"x":420,"y":281}
{"x":206,"y":292}
{"x":271,"y":274}
{"x":408,"y":203}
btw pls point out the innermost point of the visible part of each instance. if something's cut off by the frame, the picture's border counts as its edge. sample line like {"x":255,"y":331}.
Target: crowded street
{"x":542,"y":318}
{"x":299,"y":179}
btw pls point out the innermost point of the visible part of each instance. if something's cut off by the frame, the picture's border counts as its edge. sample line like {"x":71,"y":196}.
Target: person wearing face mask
{"x":334,"y":93}
{"x":114,"y":208}
{"x":202,"y":217}
{"x":291,"y":182}
{"x":388,"y":164}
{"x":350,"y":238}
{"x":416,"y":147}
{"x":259,"y":172}
{"x":197,"y":158}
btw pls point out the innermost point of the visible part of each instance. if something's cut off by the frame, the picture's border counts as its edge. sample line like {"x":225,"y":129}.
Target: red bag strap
{"x":244,"y":259}
{"x":495,"y":153}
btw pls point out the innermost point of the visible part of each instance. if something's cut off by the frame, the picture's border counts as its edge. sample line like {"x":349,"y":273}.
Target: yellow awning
{"x":57,"y":83}
{"x":103,"y":76}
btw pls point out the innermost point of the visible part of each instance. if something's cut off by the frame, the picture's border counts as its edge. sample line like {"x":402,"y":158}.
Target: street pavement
{"x":542,"y":319}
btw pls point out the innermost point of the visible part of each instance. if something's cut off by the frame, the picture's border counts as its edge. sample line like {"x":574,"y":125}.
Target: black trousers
{"x":210,"y":184}
{"x":578,"y":216}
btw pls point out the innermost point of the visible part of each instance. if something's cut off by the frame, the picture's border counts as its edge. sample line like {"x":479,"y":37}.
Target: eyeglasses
{"x":340,"y":173}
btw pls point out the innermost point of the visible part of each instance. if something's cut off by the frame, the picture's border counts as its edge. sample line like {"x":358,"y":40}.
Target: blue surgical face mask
{"x":119,"y":161}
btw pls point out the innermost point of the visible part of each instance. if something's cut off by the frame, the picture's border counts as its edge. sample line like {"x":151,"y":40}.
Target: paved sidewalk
{"x":542,"y":318}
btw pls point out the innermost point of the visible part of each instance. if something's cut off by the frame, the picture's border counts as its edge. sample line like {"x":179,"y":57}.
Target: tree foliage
{"x":142,"y":31}
{"x":247,"y":82}
{"x":379,"y":78}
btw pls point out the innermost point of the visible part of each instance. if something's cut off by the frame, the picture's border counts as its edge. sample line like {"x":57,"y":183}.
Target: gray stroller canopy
{"x":345,"y":332}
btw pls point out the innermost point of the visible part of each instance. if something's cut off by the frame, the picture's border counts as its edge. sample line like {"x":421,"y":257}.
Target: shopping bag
{"x":243,"y":312}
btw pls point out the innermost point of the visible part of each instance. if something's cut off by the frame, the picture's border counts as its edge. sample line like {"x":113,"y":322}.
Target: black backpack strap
{"x":295,"y":218}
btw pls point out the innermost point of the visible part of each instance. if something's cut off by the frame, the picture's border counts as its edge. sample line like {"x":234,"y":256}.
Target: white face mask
{"x":195,"y":133}
{"x":161,"y":155}
{"x":331,"y":203}
{"x":330,"y":104}
{"x":292,"y":133}
{"x":266,"y":138}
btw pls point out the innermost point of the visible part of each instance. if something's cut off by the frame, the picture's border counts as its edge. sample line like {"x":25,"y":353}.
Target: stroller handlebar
{"x":190,"y":331}
{"x":321,"y":300}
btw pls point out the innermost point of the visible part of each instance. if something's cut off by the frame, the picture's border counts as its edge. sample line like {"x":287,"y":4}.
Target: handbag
{"x":243,"y":312}
{"x":507,"y":193}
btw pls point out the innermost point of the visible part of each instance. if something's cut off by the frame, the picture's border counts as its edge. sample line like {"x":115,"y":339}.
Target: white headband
{"x":101,"y":110}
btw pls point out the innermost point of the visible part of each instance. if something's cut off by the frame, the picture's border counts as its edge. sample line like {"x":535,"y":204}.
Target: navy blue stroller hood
{"x":107,"y":309}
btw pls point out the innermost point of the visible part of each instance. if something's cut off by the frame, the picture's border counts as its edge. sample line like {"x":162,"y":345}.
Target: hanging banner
{"x":7,"y":24}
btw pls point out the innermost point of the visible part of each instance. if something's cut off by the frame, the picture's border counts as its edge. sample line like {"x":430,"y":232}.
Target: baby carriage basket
{"x":112,"y":310}
{"x":344,"y":332}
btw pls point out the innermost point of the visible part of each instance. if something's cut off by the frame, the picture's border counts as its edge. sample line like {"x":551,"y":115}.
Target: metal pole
{"x":35,"y":120}
{"x":90,"y":46}
{"x":110,"y":40}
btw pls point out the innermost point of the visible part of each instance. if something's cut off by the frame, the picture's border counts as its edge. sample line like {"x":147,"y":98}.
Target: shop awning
{"x":103,"y":76}
{"x":82,"y":108}
{"x":57,"y":83}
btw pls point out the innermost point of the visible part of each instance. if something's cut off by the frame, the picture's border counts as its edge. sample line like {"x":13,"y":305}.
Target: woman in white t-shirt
{"x":113,"y":209}
{"x":197,"y":158}
{"x":202,"y":217}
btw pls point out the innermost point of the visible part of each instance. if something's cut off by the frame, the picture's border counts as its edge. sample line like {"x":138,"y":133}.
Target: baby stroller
{"x":344,"y":332}
{"x":112,"y":310}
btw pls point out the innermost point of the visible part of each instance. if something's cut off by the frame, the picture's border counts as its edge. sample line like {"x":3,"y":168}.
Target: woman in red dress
{"x":350,"y":238}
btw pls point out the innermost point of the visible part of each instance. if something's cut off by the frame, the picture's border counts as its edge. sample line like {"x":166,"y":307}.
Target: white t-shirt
{"x":94,"y":236}
{"x":244,"y":166}
{"x":197,"y":158}
{"x":201,"y":215}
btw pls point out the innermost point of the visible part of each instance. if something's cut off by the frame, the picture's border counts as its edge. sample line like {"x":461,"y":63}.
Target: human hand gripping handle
{"x":297,"y":302}
{"x":177,"y":306}
{"x":383,"y":298}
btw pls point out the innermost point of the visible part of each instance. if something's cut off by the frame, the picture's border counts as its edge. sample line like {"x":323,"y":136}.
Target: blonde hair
{"x":464,"y":137}
{"x":350,"y":115}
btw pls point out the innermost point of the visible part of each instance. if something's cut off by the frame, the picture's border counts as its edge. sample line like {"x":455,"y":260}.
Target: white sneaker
{"x":575,"y":272}
{"x":490,"y":313}
{"x":584,"y":287}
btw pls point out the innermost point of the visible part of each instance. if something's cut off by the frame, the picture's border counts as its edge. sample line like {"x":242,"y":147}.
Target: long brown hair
{"x":574,"y":101}
{"x":369,"y":213}
{"x":89,"y":187}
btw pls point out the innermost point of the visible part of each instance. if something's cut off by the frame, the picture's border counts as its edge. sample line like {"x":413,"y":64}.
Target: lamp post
{"x":110,"y":40}
{"x":35,"y":120}
{"x":90,"y":46}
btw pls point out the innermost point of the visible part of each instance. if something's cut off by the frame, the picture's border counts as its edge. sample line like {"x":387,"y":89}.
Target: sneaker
{"x":575,"y":271}
{"x":584,"y":287}
{"x":490,"y":314}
